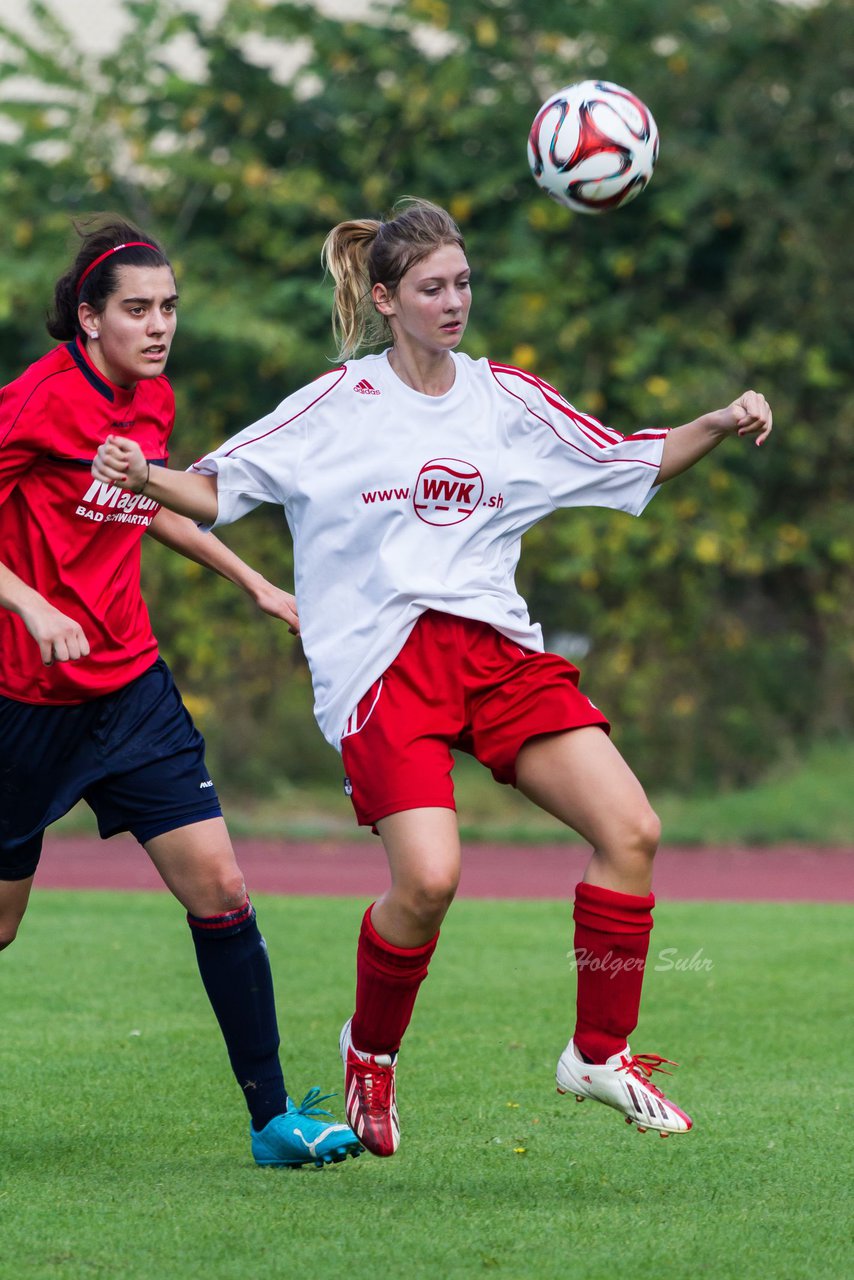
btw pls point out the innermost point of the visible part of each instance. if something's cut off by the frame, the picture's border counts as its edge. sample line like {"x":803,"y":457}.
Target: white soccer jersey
{"x":399,"y":502}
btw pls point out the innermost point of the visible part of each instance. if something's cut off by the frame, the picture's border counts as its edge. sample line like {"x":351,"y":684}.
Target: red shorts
{"x":456,"y":683}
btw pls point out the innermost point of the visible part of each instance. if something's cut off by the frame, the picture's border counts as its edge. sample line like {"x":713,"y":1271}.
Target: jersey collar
{"x":109,"y":390}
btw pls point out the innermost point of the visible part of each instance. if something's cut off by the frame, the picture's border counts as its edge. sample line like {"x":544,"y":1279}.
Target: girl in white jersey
{"x":407,"y":480}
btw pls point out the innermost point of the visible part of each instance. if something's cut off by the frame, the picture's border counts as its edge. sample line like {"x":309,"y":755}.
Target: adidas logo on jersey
{"x":364,"y":388}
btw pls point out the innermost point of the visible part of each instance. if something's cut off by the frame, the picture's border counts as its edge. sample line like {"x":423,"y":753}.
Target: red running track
{"x":358,"y":869}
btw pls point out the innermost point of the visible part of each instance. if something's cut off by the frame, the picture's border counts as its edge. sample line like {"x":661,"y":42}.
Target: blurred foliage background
{"x":717,"y":631}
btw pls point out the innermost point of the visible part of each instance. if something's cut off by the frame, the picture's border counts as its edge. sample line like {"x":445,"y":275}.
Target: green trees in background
{"x":720,"y":626}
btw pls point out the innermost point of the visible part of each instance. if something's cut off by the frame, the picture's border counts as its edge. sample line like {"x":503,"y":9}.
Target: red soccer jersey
{"x":75,"y":541}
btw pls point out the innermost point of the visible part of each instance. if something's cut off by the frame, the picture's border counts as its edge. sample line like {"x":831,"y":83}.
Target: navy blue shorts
{"x":134,"y":756}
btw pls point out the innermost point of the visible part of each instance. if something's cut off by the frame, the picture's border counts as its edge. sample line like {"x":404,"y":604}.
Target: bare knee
{"x":427,"y":901}
{"x":624,"y":853}
{"x":217,"y":894}
{"x":232,"y":889}
{"x":14,"y":896}
{"x":8,"y":930}
{"x":197,"y":863}
{"x":634,"y":842}
{"x":645,"y":832}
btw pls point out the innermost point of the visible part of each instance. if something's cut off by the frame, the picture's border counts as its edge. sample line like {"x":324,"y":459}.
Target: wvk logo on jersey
{"x":108,"y":504}
{"x":447,"y":491}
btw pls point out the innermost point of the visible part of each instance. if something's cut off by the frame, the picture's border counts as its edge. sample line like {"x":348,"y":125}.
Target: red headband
{"x":129,"y":244}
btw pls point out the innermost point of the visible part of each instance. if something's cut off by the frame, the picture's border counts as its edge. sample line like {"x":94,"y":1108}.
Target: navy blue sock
{"x":235,"y":970}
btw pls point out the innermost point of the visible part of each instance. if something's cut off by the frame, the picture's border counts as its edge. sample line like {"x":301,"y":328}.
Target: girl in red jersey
{"x":87,"y":708}
{"x":408,"y":479}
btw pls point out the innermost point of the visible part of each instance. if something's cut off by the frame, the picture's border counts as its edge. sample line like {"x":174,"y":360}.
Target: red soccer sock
{"x":387,"y":982}
{"x":611,"y":943}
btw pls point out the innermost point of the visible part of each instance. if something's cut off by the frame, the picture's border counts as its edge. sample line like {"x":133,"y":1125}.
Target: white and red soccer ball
{"x":593,"y":146}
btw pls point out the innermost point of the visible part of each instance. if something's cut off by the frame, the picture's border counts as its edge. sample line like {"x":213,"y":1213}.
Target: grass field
{"x":125,"y":1151}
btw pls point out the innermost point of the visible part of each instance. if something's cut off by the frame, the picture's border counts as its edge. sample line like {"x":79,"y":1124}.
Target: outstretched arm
{"x":749,"y":415}
{"x":120,"y":461}
{"x":184,"y":498}
{"x":183,"y":535}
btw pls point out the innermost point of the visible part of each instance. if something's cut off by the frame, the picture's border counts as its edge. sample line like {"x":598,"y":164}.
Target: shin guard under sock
{"x":387,"y":982}
{"x":235,"y":970}
{"x":611,"y":943}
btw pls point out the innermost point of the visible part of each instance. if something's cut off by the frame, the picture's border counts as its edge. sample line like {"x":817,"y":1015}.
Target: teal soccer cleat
{"x":298,"y":1137}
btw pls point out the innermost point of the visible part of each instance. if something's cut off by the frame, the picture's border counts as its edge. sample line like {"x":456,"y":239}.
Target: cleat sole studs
{"x":663,"y":1133}
{"x":641,"y":1129}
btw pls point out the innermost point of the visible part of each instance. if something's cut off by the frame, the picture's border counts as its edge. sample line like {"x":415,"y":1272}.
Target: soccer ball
{"x":593,"y":146}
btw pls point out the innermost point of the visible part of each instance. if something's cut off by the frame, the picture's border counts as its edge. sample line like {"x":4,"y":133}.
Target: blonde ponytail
{"x":345,"y":253}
